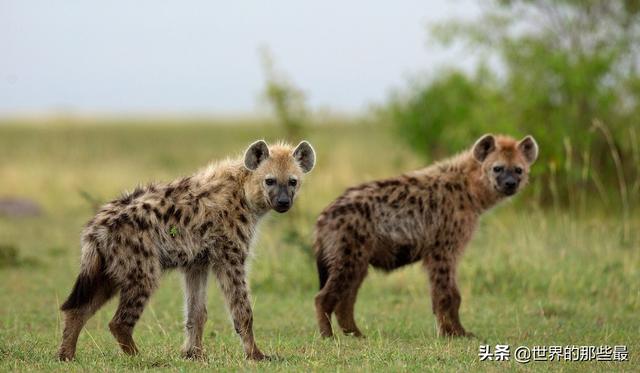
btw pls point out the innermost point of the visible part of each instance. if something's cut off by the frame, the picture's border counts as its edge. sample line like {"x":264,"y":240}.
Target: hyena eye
{"x":518,"y":170}
{"x":498,"y":169}
{"x":293,"y":182}
{"x":270,"y":181}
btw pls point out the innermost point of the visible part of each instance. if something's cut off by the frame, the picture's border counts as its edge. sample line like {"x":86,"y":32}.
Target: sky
{"x":202,"y":57}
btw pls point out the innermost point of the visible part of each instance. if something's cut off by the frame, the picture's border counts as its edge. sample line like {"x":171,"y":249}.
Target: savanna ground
{"x":530,"y":276}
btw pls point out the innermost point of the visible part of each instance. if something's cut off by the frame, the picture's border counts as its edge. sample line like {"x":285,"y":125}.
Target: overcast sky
{"x":199,"y":57}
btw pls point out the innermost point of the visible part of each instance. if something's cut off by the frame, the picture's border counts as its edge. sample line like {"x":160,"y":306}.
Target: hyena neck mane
{"x":462,"y":173}
{"x":232,"y":185}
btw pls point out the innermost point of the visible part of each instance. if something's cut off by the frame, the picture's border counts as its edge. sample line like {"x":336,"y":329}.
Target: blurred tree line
{"x":565,"y":71}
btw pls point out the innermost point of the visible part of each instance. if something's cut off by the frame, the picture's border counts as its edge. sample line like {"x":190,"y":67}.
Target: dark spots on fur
{"x":137,"y":192}
{"x":433,"y":205}
{"x":186,"y":219}
{"x":387,"y":183}
{"x":140,"y":223}
{"x":202,"y":258}
{"x":205,"y":227}
{"x":357,"y":188}
{"x":125,"y":200}
{"x":146,"y":207}
{"x":169,"y":213}
{"x":157,"y":213}
{"x":92,"y":238}
{"x":163,"y":202}
{"x":201,"y":195}
{"x":177,"y":214}
{"x":448,"y":186}
{"x":243,"y":219}
{"x":168,"y":191}
{"x":183,"y":184}
{"x":135,"y":248}
{"x":411,"y":180}
{"x":241,"y":235}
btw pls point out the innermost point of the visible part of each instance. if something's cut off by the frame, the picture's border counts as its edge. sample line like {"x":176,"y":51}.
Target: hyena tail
{"x":323,"y":268}
{"x":89,"y":280}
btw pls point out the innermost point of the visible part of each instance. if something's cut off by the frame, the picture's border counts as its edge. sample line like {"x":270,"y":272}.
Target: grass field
{"x":530,"y":277}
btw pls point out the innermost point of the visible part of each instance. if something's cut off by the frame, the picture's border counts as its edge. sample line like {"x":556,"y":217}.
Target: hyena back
{"x":198,"y":224}
{"x":427,"y":215}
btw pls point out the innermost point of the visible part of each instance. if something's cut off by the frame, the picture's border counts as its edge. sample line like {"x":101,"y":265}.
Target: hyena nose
{"x":511,"y":184}
{"x":283,"y":202}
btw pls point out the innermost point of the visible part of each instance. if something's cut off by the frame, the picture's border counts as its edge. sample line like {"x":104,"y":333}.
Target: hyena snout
{"x":283,"y":203}
{"x":508,"y":183}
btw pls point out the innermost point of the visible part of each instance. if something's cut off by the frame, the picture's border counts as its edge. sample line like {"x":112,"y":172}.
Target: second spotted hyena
{"x":200,"y":224}
{"x":427,"y":215}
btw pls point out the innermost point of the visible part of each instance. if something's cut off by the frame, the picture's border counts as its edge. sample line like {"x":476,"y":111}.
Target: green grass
{"x":529,"y":277}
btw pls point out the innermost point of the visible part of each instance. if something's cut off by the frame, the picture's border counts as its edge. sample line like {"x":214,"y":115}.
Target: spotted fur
{"x":427,"y":216}
{"x":198,"y":224}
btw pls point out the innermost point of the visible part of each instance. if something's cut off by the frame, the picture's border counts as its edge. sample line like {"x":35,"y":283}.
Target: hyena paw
{"x":193,"y":353}
{"x":65,"y":355}
{"x":456,"y":333}
{"x":256,"y":355}
{"x":354,"y":333}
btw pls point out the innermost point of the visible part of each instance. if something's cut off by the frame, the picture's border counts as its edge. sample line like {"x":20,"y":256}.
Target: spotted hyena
{"x":199,"y":224}
{"x":426,"y":215}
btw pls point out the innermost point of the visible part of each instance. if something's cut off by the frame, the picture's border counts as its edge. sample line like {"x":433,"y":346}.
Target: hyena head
{"x":505,"y":162}
{"x":276,"y":172}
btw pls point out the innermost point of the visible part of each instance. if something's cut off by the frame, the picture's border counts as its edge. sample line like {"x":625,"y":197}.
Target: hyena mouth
{"x":282,"y":209}
{"x":506,"y":191}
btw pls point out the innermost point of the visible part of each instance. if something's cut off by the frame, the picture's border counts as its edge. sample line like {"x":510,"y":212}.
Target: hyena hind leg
{"x":345,"y":309}
{"x":76,"y":317}
{"x":336,"y":290}
{"x":133,"y":299}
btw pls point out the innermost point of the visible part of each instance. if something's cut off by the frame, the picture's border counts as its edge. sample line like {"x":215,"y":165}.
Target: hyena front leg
{"x":445,"y":297}
{"x":231,"y":276}
{"x":195,"y":281}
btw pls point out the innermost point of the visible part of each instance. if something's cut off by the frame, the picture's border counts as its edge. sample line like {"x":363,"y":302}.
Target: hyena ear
{"x":305,"y":156}
{"x":529,"y":148}
{"x":483,"y":147}
{"x":255,"y":154}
